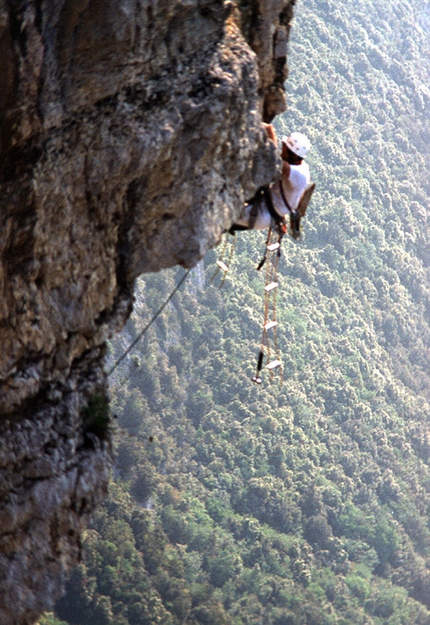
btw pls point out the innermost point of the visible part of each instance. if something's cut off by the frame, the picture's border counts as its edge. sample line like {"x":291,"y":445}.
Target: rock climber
{"x":284,"y":197}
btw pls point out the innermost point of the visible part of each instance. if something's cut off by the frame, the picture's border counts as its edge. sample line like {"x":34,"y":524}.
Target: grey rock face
{"x":130,"y":135}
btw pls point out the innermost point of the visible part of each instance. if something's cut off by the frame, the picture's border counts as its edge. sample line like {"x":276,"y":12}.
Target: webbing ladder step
{"x":222,"y":265}
{"x":270,"y":324}
{"x":274,"y":364}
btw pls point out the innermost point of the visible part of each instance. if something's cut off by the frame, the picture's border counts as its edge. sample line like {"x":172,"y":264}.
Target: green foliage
{"x":96,"y":416}
{"x":307,"y":502}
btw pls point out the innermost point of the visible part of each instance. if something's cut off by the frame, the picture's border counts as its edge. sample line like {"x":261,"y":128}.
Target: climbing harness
{"x":272,"y":253}
{"x":269,"y":337}
{"x":279,"y":224}
{"x":294,"y":215}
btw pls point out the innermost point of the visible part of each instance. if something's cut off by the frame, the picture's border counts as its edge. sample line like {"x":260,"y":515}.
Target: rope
{"x":271,"y":278}
{"x":274,"y":312}
{"x":264,"y":345}
{"x":159,"y":311}
{"x":267,"y":294}
{"x":149,"y":324}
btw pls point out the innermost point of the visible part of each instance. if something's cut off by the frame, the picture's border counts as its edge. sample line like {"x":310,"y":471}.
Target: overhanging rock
{"x":130,"y":135}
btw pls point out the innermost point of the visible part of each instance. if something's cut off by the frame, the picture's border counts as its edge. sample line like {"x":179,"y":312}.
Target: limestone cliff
{"x":130,"y":135}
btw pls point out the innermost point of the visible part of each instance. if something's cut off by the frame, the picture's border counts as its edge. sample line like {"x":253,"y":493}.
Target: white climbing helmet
{"x":297,"y":143}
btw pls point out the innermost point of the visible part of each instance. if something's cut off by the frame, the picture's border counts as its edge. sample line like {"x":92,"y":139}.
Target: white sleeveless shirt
{"x":293,"y":188}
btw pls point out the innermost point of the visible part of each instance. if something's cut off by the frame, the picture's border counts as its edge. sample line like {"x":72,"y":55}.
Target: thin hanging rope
{"x":149,"y":324}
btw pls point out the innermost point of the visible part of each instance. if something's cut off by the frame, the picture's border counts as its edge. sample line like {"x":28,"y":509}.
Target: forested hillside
{"x":307,"y":502}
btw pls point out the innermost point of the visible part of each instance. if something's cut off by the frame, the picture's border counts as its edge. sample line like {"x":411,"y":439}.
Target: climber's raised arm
{"x":271,"y":133}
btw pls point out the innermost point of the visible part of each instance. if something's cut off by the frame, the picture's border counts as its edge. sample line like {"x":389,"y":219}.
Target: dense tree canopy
{"x":307,"y":502}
